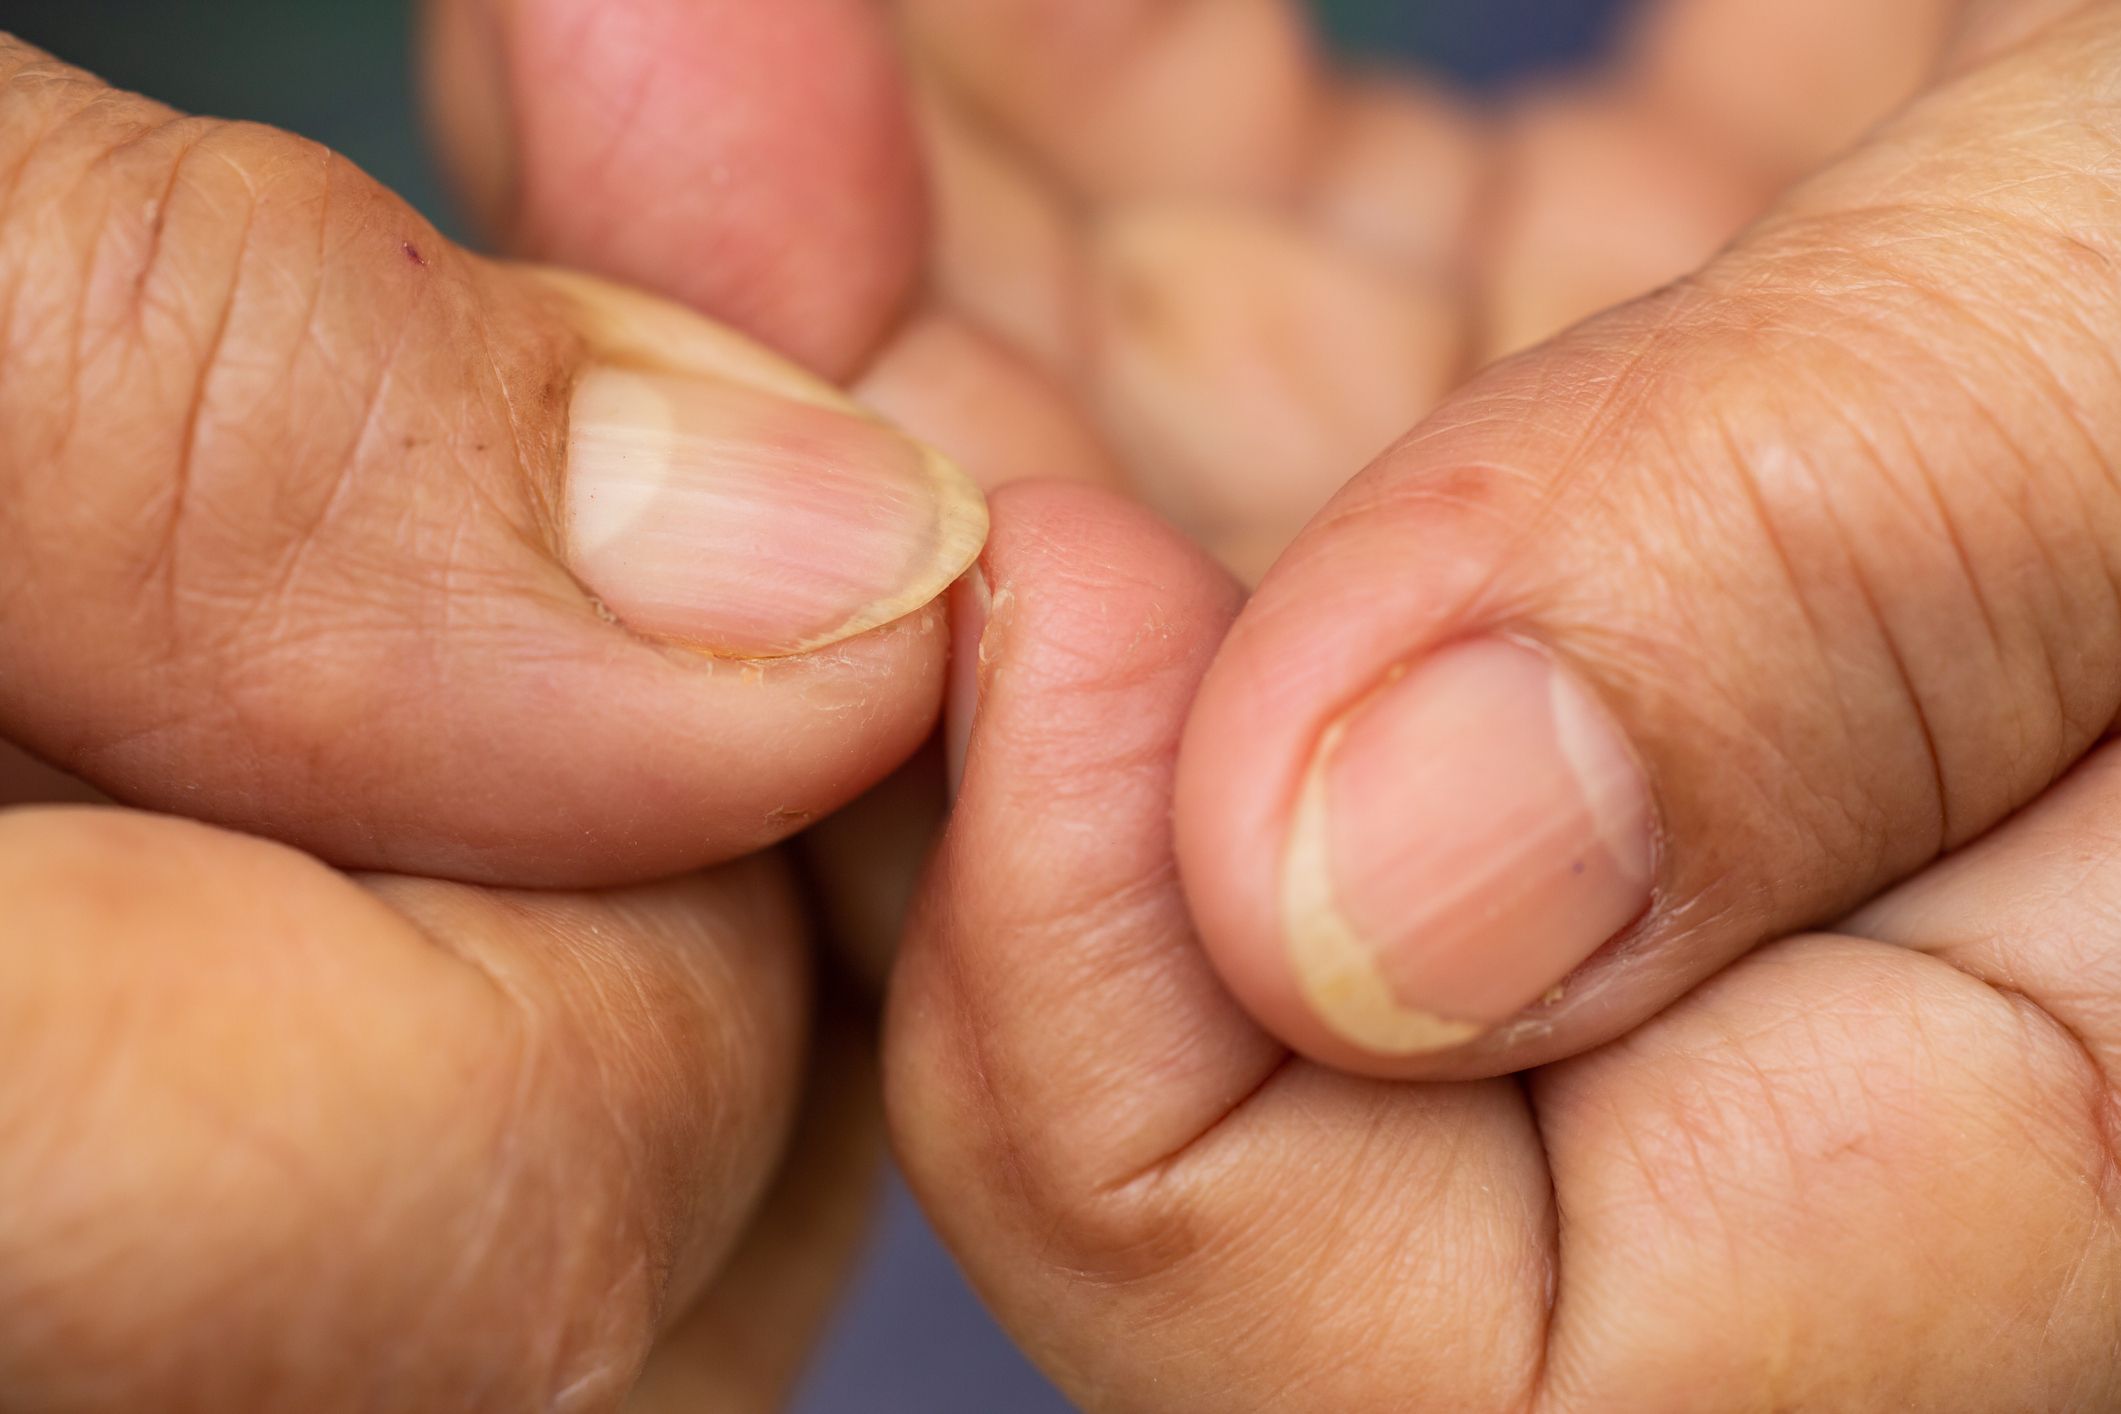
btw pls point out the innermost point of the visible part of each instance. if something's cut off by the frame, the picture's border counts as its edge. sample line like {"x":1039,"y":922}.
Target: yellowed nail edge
{"x":1335,"y":968}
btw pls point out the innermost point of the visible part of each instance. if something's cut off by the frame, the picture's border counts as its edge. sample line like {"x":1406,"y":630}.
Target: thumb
{"x":313,"y":524}
{"x":1699,"y":626}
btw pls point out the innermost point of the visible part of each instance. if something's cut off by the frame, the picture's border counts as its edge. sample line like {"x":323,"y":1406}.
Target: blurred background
{"x":910,"y":1338}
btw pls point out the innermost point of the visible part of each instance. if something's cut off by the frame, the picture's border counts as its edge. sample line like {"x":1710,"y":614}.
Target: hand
{"x":1154,"y":226}
{"x":276,"y":1137}
{"x":308,"y":527}
{"x":1864,"y":1168}
{"x":1184,"y":213}
{"x":1820,"y":533}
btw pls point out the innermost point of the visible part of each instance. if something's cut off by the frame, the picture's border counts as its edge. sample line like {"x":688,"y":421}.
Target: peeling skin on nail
{"x":1336,"y":969}
{"x":1001,"y":604}
{"x":1155,"y":628}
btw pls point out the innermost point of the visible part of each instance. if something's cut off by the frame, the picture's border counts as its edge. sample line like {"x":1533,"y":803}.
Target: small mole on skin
{"x":1577,"y":867}
{"x":412,"y":253}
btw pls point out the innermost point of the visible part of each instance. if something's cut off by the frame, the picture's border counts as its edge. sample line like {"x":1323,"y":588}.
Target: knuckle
{"x":1133,"y":1236}
{"x":1888,"y":451}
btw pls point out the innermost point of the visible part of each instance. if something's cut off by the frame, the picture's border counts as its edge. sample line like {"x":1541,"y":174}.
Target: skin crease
{"x":1229,"y":1261}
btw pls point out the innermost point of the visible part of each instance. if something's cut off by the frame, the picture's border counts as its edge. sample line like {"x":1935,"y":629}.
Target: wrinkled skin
{"x":1861,"y":1168}
{"x":1832,"y":1127}
{"x":1864,"y":1168}
{"x":278,"y":463}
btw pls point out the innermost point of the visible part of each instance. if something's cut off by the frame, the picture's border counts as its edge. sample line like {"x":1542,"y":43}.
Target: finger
{"x":985,"y":406}
{"x":1057,"y":700}
{"x":317,"y":525}
{"x":1694,"y":629}
{"x":1246,"y":367}
{"x":277,"y":1141}
{"x":743,"y":1345}
{"x":1199,"y":98}
{"x":1164,"y":1208}
{"x":1741,"y":1176}
{"x":1003,"y":420}
{"x":2028,"y":909}
{"x":1597,"y":200}
{"x":1785,"y":86}
{"x":754,"y":161}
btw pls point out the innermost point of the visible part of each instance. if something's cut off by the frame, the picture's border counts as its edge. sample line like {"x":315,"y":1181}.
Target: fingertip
{"x":1051,"y":960}
{"x":1087,"y":598}
{"x":1081,"y":638}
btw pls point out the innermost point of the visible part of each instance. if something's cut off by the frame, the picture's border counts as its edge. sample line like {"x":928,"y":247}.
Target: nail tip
{"x":1336,"y":971}
{"x":1355,"y":1003}
{"x":961,"y":530}
{"x":623,"y":410}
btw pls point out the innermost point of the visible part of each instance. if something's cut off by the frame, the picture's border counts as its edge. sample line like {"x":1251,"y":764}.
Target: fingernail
{"x":749,"y":521}
{"x":1466,"y":837}
{"x":971,"y":602}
